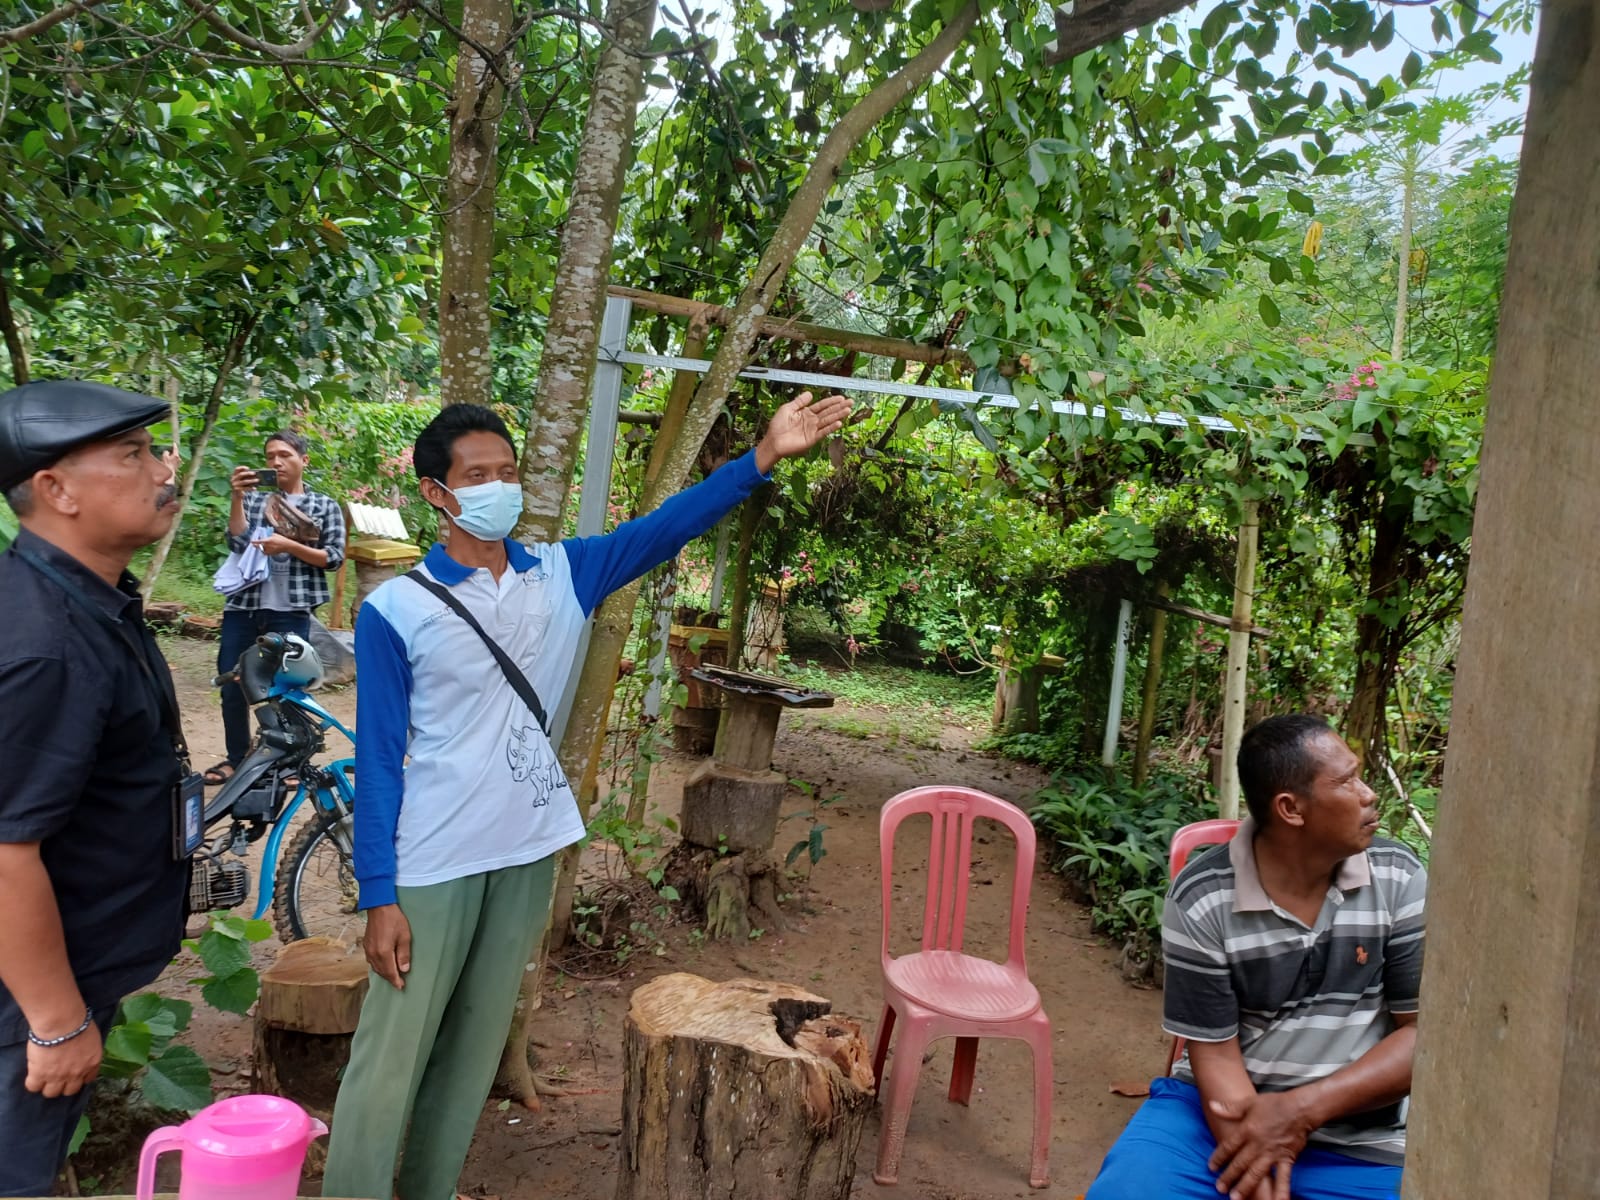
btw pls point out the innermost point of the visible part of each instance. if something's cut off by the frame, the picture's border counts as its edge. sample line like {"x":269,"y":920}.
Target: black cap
{"x":40,"y":423}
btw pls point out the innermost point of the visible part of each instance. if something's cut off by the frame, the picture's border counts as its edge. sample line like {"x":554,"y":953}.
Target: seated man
{"x":1293,"y":958}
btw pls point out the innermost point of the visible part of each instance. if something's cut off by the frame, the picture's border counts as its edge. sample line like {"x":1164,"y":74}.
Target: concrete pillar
{"x":1506,"y":1100}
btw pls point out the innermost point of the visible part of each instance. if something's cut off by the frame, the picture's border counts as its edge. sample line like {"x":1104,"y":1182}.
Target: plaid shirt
{"x":308,"y":585}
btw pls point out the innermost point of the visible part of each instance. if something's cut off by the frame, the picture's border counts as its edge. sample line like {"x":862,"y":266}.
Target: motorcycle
{"x":309,"y":886}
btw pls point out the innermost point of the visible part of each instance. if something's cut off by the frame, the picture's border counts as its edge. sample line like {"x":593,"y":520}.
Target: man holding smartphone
{"x":302,"y":534}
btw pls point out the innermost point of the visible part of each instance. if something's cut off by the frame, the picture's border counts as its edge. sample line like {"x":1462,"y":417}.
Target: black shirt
{"x":87,"y":770}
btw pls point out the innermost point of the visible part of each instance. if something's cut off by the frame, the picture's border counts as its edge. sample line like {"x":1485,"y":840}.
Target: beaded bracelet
{"x":88,"y":1020}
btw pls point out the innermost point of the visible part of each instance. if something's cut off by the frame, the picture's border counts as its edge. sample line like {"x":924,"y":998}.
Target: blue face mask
{"x":489,"y":511}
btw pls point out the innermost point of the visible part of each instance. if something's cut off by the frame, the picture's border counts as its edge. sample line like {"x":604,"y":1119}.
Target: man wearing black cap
{"x":92,"y":872}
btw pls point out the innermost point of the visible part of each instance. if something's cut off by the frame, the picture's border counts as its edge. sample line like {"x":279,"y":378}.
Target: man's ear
{"x":1288,"y":808}
{"x":52,"y":489}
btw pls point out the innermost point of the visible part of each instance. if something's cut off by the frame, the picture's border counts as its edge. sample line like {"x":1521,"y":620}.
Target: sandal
{"x":218,"y":775}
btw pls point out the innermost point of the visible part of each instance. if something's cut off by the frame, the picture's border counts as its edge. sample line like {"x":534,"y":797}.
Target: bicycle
{"x":312,"y":890}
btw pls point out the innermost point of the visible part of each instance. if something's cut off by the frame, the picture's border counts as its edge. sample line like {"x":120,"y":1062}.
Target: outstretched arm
{"x":600,"y":565}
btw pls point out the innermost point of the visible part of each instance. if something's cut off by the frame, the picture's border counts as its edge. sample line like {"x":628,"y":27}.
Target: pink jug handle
{"x":158,"y":1143}
{"x":317,"y":1128}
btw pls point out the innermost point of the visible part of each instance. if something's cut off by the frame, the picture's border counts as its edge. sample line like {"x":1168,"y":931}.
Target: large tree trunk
{"x":566,"y":374}
{"x":197,"y":452}
{"x":1507,"y":1046}
{"x":465,"y":364}
{"x":578,"y":295}
{"x":742,"y":1088}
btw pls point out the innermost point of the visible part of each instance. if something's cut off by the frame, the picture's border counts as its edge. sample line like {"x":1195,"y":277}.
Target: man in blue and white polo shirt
{"x":463,"y":805}
{"x":1294,"y":957}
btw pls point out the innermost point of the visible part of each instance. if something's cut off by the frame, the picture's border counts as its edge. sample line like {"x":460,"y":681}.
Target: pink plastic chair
{"x":1185,"y":842}
{"x":1190,"y":838}
{"x":940,"y":992}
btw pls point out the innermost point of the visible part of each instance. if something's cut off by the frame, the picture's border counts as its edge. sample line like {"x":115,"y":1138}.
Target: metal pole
{"x":1119,"y":681}
{"x":1235,"y":683}
{"x":604,"y":404}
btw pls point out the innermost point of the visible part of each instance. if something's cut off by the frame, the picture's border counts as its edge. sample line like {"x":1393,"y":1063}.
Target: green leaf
{"x":224,"y":954}
{"x":1365,"y":411}
{"x":1216,"y":24}
{"x":178,"y":1081}
{"x":1411,"y":68}
{"x":78,"y":1134}
{"x":127,"y":1048}
{"x":1269,"y":312}
{"x":232,"y":993}
{"x":1301,"y":202}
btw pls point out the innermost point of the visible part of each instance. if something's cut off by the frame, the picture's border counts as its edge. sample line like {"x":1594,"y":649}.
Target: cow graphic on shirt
{"x":533,"y":762}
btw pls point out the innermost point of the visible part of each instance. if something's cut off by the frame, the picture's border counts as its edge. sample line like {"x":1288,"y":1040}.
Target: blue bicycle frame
{"x":340,"y":773}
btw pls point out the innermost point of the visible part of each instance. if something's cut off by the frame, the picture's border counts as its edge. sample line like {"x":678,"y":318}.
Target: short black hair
{"x":431,"y":455}
{"x":1274,"y":756}
{"x":290,"y":438}
{"x":20,"y":498}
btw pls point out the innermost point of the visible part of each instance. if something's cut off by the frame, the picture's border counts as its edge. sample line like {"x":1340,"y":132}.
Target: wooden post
{"x":1152,"y":687}
{"x":1235,"y":683}
{"x":1508,"y":1052}
{"x":744,"y":1088}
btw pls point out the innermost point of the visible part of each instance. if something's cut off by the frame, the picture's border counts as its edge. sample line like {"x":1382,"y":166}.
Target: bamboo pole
{"x":1152,"y":687}
{"x":1235,"y":683}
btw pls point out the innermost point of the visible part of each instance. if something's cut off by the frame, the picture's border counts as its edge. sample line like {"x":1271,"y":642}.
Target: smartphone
{"x":266,"y":477}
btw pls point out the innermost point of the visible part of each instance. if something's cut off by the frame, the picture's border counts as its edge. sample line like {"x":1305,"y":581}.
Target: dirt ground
{"x":1105,"y":1031}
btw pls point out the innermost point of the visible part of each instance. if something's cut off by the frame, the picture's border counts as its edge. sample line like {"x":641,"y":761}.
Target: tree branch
{"x":21,"y":33}
{"x":209,"y":13}
{"x":1084,"y":29}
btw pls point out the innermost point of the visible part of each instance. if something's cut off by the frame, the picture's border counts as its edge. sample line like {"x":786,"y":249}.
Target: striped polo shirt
{"x":1303,"y":1001}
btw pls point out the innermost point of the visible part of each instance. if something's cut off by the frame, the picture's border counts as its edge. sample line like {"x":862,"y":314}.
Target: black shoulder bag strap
{"x":166,"y":700}
{"x":513,"y":673}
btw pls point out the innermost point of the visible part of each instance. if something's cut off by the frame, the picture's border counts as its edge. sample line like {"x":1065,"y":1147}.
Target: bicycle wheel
{"x":316,"y":892}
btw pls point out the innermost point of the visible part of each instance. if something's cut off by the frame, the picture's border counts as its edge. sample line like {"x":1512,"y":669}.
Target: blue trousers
{"x":35,"y":1132}
{"x":1165,"y":1149}
{"x":240,"y":629}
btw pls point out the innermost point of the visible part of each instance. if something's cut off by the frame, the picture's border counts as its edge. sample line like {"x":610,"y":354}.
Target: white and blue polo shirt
{"x":455,"y":777}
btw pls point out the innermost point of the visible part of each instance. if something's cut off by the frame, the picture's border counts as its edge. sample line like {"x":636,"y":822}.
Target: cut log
{"x":314,"y":986}
{"x":743,"y":1088}
{"x":310,"y":1002}
{"x":731,"y":809}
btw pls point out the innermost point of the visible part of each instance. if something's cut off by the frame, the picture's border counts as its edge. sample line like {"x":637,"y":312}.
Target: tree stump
{"x":732,"y":893}
{"x":732,"y":808}
{"x":741,"y":1089}
{"x":310,"y":1002}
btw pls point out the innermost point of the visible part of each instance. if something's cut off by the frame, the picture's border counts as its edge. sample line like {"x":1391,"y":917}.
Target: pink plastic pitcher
{"x":242,"y":1148}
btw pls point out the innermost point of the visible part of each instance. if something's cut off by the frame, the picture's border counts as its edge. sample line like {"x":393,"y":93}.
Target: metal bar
{"x":1119,"y":683}
{"x":885,"y":387}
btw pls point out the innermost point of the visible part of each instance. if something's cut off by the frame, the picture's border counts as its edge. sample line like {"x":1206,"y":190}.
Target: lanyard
{"x":165,"y":699}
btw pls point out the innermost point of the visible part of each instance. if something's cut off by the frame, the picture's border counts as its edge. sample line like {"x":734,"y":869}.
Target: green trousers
{"x":424,"y":1058}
